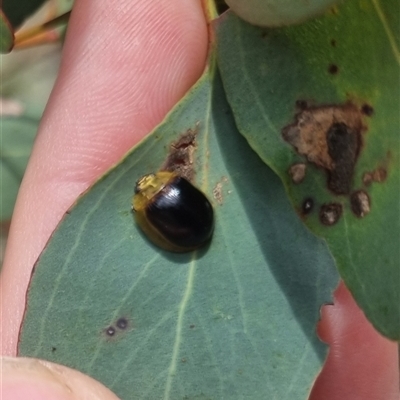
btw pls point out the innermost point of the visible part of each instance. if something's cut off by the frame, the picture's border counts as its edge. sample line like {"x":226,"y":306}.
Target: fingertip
{"x":361,"y":363}
{"x":32,"y":379}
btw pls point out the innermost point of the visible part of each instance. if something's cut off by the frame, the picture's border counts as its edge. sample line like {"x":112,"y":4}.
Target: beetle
{"x":172,"y":212}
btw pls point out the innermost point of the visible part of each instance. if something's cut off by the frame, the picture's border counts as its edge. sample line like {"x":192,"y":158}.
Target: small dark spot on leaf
{"x":122,"y":323}
{"x":333,"y":43}
{"x":264,"y":34}
{"x":360,"y":203}
{"x":297,"y":172}
{"x":330,"y":213}
{"x":343,"y":148}
{"x":301,"y":104}
{"x":110,"y":331}
{"x":308,"y":205}
{"x":377,"y":175}
{"x":333,"y":69}
{"x":368,"y":110}
{"x":183,"y":360}
{"x":53,"y":349}
{"x":191,"y":326}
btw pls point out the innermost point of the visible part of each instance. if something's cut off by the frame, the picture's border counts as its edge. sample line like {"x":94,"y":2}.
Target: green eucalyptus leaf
{"x":17,"y":135}
{"x":6,"y":34}
{"x":320,"y":104}
{"x":64,"y":5}
{"x":278,"y":12}
{"x":27,"y":79}
{"x":233,"y":320}
{"x":18,"y":11}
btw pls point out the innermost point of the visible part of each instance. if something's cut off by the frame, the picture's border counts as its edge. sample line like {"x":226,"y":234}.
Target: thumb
{"x":125,"y":65}
{"x":32,"y":379}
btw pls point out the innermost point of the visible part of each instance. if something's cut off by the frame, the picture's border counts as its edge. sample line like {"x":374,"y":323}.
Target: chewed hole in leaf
{"x":181,"y":153}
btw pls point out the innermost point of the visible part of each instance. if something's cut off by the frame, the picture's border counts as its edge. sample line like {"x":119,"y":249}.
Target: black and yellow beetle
{"x":172,"y":212}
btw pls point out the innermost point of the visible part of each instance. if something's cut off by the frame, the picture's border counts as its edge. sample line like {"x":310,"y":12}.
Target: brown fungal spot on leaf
{"x":330,"y":213}
{"x":191,"y":326}
{"x":330,"y":138}
{"x":180,"y":157}
{"x":343,"y":148}
{"x":377,"y":175}
{"x":297,"y":172}
{"x":217,"y":191}
{"x":360,"y":203}
{"x":333,"y":43}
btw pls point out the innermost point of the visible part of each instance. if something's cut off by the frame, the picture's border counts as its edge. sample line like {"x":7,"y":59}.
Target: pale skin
{"x":125,"y":65}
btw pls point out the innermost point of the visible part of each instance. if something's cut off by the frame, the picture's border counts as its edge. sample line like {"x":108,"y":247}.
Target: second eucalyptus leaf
{"x":320,"y":104}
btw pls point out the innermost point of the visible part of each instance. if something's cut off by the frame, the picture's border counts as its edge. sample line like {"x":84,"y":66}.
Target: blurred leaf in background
{"x":6,"y":34}
{"x":18,"y":12}
{"x":27,"y":77}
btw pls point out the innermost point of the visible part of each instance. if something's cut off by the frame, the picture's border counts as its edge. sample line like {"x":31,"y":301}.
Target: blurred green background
{"x":28,"y":74}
